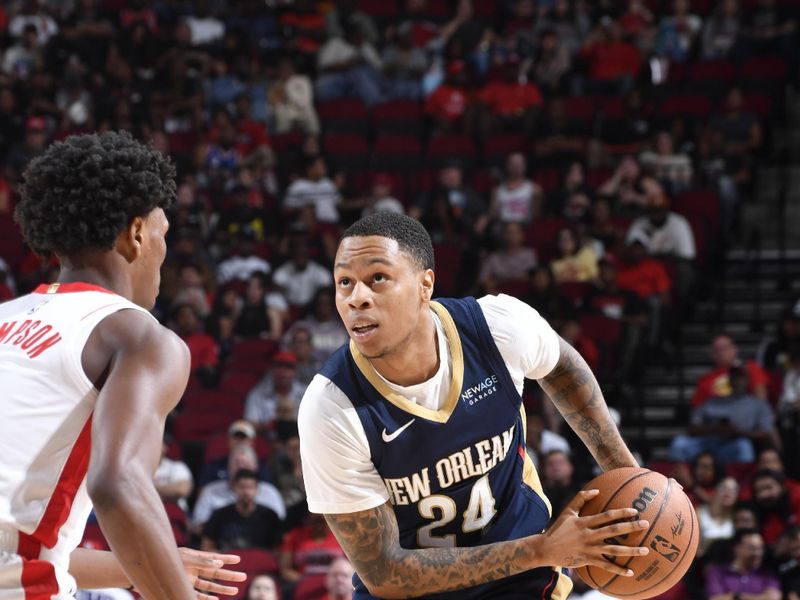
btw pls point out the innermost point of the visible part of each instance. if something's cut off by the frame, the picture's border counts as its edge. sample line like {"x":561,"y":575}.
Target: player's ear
{"x":129,"y":241}
{"x":426,"y":284}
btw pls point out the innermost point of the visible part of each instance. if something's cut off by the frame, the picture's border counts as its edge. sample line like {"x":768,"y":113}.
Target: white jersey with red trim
{"x":45,"y":434}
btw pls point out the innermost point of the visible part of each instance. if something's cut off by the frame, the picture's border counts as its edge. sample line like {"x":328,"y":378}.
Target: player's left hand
{"x":205,"y":569}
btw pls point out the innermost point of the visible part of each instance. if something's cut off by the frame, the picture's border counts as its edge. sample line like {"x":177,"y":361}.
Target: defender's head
{"x":384,"y":281}
{"x":99,"y":197}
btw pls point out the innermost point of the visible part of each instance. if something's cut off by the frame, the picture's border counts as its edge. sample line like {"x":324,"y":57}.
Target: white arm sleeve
{"x":337,"y":467}
{"x":527,"y":343}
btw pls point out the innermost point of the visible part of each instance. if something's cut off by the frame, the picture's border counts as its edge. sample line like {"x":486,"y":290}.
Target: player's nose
{"x":361,"y":296}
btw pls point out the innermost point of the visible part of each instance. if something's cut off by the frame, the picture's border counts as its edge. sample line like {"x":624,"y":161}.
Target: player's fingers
{"x":609,"y":566}
{"x":226,"y":559}
{"x":215,"y":588}
{"x":622,"y":528}
{"x":613,"y":550}
{"x":202,"y":596}
{"x":581,"y":498}
{"x":610,"y":516}
{"x":223,"y":574}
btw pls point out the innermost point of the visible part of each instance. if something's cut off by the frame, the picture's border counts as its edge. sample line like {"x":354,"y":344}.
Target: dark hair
{"x":84,"y":191}
{"x":409,"y":234}
{"x":740,"y":534}
{"x":745,"y":505}
{"x":245,"y":474}
{"x":768,"y":474}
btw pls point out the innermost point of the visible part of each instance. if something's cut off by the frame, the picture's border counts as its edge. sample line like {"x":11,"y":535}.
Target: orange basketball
{"x":672,"y":536}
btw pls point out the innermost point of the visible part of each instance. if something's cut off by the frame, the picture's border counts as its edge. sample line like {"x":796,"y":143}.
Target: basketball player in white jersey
{"x":88,"y":377}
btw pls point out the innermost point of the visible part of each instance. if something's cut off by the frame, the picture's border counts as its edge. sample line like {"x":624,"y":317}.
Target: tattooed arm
{"x":574,"y":390}
{"x":371,"y":540}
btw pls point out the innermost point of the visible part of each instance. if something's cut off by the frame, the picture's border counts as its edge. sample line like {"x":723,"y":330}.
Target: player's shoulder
{"x":323,"y":398}
{"x":503,"y":306}
{"x":135,"y":331}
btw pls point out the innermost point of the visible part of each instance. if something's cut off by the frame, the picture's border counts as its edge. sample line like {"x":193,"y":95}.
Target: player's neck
{"x":417,"y":358}
{"x":101,"y":273}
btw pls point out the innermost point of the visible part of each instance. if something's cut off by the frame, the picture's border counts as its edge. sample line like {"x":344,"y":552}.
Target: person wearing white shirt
{"x":300,"y":277}
{"x":316,"y":190}
{"x":220,"y":493}
{"x":424,"y":390}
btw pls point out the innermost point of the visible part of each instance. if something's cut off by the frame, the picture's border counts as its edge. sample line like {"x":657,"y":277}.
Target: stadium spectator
{"x":277,"y":395}
{"x":776,"y":506}
{"x":621,"y":189}
{"x":21,"y":153}
{"x":452,"y":211}
{"x":573,"y":262}
{"x":380,"y":196}
{"x":744,"y":576}
{"x":202,"y":347}
{"x":607,"y":298}
{"x":242,"y":261}
{"x":348,"y":66}
{"x":728,"y":425}
{"x":308,"y":550}
{"x":300,"y":343}
{"x":668,"y":234}
{"x":773,"y":353}
{"x":678,"y":32}
{"x":517,"y":199}
{"x":715,"y":518}
{"x":509,"y":103}
{"x":24,"y":57}
{"x":558,"y":479}
{"x":787,"y":558}
{"x":300,"y":277}
{"x":569,"y":21}
{"x":612,"y":62}
{"x":287,"y":473}
{"x":338,"y":580}
{"x":404,"y":64}
{"x":508,"y":267}
{"x":291,"y":100}
{"x":604,"y":228}
{"x":545,"y":298}
{"x":770,"y":27}
{"x":721,"y":31}
{"x":316,"y":190}
{"x":540,"y":441}
{"x":244,"y":523}
{"x":571,"y":331}
{"x":263,"y":312}
{"x":327,"y":330}
{"x":220,"y":493}
{"x":724,"y":354}
{"x":552,"y":62}
{"x":172,"y":478}
{"x":573,"y":184}
{"x":239,"y":432}
{"x":673,"y":169}
{"x":263,"y":587}
{"x":449,"y":105}
{"x":559,"y":138}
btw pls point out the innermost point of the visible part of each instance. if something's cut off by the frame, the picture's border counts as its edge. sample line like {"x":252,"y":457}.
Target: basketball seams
{"x":684,"y":555}
{"x":644,"y":537}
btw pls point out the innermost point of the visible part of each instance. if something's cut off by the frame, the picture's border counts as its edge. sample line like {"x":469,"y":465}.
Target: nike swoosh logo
{"x":389,"y":437}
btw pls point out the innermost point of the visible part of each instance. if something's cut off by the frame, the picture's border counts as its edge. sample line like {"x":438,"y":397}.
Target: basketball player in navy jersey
{"x":412,"y":436}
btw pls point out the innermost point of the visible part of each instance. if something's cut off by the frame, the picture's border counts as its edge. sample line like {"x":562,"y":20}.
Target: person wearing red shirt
{"x":725,"y":353}
{"x":612,"y":62}
{"x":202,"y":347}
{"x":776,"y":505}
{"x":509,"y":101}
{"x":449,"y":104}
{"x":308,"y":550}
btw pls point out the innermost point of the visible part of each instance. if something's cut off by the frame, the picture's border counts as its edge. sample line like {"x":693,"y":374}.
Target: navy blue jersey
{"x":457,"y":476}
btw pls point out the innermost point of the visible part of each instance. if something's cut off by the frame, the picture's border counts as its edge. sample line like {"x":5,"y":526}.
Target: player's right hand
{"x":574,"y":541}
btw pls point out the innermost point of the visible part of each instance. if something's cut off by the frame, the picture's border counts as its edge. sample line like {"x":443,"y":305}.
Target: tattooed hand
{"x":574,"y":541}
{"x":574,"y":390}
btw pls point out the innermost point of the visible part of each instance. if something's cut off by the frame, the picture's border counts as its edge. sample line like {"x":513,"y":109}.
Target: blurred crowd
{"x":591,"y":158}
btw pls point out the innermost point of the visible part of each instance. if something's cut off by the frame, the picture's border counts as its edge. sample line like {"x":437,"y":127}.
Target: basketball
{"x":672,"y":536}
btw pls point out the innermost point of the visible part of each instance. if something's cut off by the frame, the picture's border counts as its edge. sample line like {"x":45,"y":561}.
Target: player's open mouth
{"x":362,"y":332}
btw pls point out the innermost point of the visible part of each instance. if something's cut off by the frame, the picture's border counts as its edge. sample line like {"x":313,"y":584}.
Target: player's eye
{"x":379,"y":278}
{"x":344,"y":282}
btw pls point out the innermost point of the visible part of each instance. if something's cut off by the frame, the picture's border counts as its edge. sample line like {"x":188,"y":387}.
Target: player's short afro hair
{"x":81,"y":193}
{"x":409,"y":234}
